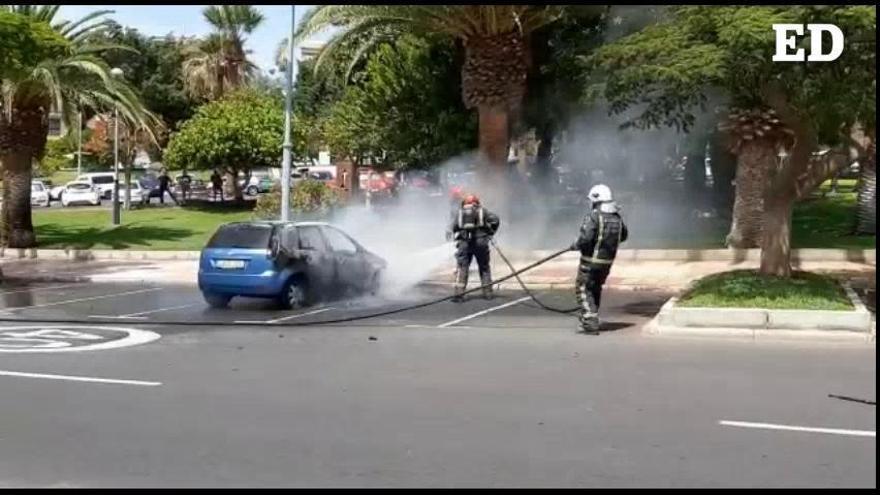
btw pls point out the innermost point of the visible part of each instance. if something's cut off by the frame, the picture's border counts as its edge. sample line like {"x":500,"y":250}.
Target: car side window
{"x":310,"y":239}
{"x":289,"y":238}
{"x":339,"y":242}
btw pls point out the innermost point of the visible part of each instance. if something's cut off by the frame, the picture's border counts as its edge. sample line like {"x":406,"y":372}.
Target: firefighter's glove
{"x":574,"y":246}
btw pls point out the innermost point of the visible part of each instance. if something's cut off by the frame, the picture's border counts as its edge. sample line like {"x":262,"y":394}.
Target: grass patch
{"x":747,"y":289}
{"x":828,"y":222}
{"x":156,"y":228}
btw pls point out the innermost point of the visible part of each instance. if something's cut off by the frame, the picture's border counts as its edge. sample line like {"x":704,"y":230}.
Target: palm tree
{"x":220,"y":62}
{"x":866,"y":213}
{"x":204,"y":75}
{"x":495,"y":39}
{"x":755,"y":136}
{"x":62,"y":81}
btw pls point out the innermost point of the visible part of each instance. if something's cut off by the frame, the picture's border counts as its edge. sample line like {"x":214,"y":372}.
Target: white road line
{"x":769,"y":426}
{"x":119,"y":317}
{"x":160,"y":310}
{"x":32,"y":289}
{"x":58,"y":303}
{"x":481,"y":313}
{"x":276,"y":320}
{"x":79,"y":378}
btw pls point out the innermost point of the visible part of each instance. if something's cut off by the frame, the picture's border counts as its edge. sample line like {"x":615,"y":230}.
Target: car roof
{"x":279,"y":222}
{"x":94,"y":174}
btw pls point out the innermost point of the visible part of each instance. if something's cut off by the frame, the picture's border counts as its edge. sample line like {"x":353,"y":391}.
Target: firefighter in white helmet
{"x":601,"y":234}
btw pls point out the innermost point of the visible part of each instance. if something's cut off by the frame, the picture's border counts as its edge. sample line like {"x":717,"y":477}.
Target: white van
{"x":102,"y":181}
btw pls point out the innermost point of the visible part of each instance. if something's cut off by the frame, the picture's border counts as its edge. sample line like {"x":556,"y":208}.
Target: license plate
{"x":229,"y":264}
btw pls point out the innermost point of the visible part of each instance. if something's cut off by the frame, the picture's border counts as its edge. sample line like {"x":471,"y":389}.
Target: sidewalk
{"x":627,"y":273}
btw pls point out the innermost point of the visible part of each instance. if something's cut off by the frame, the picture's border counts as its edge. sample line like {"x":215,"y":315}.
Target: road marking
{"x":481,"y":313}
{"x":106,"y":296}
{"x":769,"y":426}
{"x":79,"y":378}
{"x":39,"y":288}
{"x":276,"y":320}
{"x":138,"y":316}
{"x":65,"y":338}
{"x":112,"y":317}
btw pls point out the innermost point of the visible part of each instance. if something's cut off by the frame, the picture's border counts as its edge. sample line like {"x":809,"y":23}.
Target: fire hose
{"x":190,"y":323}
{"x":526,"y":289}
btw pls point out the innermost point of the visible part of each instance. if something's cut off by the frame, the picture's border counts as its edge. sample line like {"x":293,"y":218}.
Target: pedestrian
{"x":473,"y":228}
{"x":185,"y":181}
{"x":165,"y":186}
{"x":601,"y":234}
{"x":217,"y":185}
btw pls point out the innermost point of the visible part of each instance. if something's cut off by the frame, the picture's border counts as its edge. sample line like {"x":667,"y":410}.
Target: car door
{"x":319,"y":261}
{"x":351,"y":269}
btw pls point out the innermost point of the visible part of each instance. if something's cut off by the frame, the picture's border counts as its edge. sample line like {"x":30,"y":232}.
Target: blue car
{"x":296,"y":264}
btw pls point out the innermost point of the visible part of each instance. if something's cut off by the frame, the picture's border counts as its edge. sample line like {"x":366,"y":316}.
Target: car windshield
{"x":79,"y":187}
{"x":242,"y":236}
{"x":102,"y":179}
{"x":36,"y":187}
{"x":321,"y":175}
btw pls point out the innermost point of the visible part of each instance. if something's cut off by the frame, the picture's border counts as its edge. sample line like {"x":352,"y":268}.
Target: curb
{"x":865,"y":256}
{"x":98,"y":254}
{"x":765,"y":324}
{"x":45,"y":279}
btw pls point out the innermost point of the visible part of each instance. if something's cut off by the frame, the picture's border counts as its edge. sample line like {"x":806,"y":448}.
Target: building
{"x":308,"y":50}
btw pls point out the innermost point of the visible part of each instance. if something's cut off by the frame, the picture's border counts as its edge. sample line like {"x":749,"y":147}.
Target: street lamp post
{"x":79,"y":151}
{"x":288,"y":145}
{"x":116,"y":72}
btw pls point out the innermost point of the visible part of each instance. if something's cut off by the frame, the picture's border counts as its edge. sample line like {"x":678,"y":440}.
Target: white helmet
{"x":600,"y":193}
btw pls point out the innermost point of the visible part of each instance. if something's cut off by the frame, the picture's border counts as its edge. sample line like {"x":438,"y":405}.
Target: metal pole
{"x":79,"y":152}
{"x":288,"y":145}
{"x":116,"y":215}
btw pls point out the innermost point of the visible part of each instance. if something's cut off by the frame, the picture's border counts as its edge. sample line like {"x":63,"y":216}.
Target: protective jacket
{"x":601,"y":234}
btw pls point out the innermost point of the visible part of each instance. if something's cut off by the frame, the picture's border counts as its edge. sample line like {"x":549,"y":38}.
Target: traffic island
{"x":744,"y":304}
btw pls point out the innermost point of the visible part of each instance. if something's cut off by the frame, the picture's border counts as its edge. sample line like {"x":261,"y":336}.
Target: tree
{"x":866,"y":214}
{"x":404,"y":108}
{"x":494,"y":70}
{"x":667,"y":69}
{"x":57,"y":70}
{"x":153,"y":66}
{"x":235,"y":134}
{"x":219,"y":62}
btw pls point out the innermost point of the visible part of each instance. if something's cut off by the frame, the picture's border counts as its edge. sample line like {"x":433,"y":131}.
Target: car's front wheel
{"x":253,"y":191}
{"x":294,"y":295}
{"x":216,"y":300}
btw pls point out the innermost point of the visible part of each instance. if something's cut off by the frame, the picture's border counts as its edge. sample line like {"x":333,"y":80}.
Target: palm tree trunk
{"x":866,"y":213}
{"x":753,"y":165}
{"x":18,"y":229}
{"x":494,"y":139}
{"x":776,"y":240}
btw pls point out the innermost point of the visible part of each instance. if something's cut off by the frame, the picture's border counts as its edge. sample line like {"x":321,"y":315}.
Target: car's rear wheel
{"x":295,"y":294}
{"x":216,"y":300}
{"x":253,"y":191}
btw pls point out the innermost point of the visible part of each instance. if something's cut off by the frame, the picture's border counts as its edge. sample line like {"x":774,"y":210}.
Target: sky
{"x":159,"y":20}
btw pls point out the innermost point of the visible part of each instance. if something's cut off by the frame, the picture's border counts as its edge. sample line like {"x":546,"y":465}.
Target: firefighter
{"x":473,"y":228}
{"x":601,"y":234}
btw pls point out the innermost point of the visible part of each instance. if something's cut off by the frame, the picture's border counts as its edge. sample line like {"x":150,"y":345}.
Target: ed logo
{"x":785,"y":42}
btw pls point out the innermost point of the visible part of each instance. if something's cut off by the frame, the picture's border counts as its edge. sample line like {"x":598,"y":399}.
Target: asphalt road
{"x":480,"y":394}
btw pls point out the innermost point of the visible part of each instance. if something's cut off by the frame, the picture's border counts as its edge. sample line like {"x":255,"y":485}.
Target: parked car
{"x":262,"y":185}
{"x":138,"y":193}
{"x":79,"y":192}
{"x":294,"y":263}
{"x":39,"y":194}
{"x":102,"y":181}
